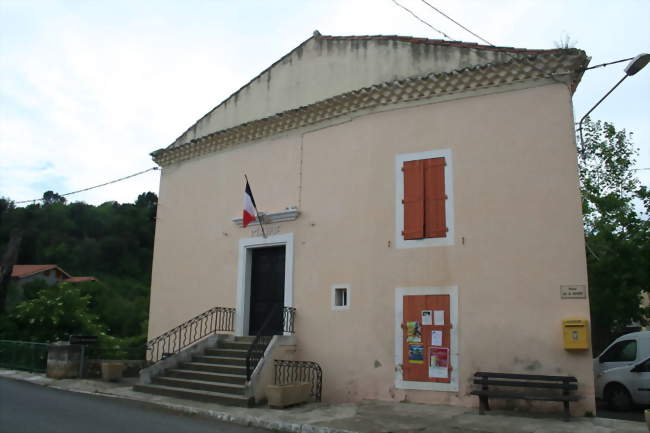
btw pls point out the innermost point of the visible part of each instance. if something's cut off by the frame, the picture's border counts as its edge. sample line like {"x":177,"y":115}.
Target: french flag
{"x":249,"y":206}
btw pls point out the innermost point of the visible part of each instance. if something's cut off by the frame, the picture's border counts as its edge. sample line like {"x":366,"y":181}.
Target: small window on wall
{"x":424,"y":192}
{"x":340,"y":297}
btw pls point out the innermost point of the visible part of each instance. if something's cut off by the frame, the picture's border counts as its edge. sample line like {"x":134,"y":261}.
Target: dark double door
{"x":267,"y":289}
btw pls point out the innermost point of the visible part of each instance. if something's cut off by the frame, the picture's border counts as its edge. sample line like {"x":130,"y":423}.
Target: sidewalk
{"x":362,"y":417}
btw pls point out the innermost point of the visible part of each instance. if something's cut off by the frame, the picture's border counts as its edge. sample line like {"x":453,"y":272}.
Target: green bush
{"x":56,"y":312}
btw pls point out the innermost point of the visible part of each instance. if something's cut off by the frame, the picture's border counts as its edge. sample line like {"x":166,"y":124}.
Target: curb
{"x":244,"y":420}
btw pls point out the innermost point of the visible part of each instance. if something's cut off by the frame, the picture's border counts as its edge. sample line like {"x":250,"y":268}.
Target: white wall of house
{"x":517,"y":238}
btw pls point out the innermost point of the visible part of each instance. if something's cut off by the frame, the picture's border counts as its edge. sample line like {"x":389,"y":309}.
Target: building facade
{"x":421,"y":208}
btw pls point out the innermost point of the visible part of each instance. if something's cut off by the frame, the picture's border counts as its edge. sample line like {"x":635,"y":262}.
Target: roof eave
{"x":568,"y":65}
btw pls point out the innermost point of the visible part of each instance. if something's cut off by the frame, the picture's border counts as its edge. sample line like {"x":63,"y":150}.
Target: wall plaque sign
{"x":270,"y":230}
{"x":573,"y":292}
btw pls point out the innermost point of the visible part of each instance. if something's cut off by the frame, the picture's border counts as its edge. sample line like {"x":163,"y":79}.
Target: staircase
{"x":217,"y":376}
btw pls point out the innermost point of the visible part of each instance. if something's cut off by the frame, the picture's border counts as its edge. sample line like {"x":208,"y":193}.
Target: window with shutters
{"x":424,"y":212}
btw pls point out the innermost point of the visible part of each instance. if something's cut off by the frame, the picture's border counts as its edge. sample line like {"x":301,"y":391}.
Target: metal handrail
{"x":288,"y":372}
{"x":189,"y":332}
{"x":256,"y":350}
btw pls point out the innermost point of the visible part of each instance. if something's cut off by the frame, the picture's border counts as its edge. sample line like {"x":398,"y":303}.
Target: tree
{"x":148,"y":200}
{"x":113,"y":242}
{"x":50,"y":197}
{"x":617,"y":230}
{"x":7,"y":264}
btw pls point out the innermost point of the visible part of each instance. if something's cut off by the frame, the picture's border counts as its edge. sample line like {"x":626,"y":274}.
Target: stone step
{"x":235,"y":353}
{"x":222,"y":360}
{"x":242,"y":345}
{"x":195,"y":394}
{"x":224,"y":388}
{"x":214,"y":368}
{"x":206,"y":375}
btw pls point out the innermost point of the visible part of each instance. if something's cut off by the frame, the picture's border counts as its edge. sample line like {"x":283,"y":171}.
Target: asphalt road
{"x":29,"y":408}
{"x":635,"y":414}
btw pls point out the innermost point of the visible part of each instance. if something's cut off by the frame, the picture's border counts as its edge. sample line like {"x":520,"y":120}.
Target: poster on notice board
{"x":416,"y":353}
{"x":438,"y":362}
{"x":413,"y":332}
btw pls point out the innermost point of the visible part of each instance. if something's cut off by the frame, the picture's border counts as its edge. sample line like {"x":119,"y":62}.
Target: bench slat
{"x":491,"y":382}
{"x":502,"y":394}
{"x":526,"y":376}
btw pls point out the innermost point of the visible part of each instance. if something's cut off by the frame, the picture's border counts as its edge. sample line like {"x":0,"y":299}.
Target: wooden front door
{"x":426,"y":329}
{"x":267,"y":288}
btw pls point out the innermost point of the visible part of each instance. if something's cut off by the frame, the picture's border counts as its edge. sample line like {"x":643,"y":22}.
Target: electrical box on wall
{"x":576,"y":334}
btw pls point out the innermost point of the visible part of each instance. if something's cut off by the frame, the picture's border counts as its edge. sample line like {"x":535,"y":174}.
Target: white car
{"x":622,"y":371}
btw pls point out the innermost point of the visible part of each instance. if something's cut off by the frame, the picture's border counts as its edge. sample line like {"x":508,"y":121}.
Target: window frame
{"x":400,"y":242}
{"x":335,"y":307}
{"x":615,"y":349}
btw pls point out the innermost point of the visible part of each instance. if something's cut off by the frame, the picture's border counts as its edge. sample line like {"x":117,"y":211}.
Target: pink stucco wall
{"x":517,"y":239}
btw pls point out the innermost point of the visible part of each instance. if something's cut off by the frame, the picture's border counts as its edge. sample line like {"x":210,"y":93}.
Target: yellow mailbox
{"x":576,"y":334}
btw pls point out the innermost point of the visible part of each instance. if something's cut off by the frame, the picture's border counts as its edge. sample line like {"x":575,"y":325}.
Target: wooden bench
{"x":531,"y":387}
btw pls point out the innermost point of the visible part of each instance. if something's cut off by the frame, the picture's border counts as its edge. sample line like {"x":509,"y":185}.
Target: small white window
{"x":340,"y":297}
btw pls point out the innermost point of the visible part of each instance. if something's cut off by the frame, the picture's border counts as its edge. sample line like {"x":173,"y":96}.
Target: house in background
{"x":422,"y":216}
{"x":52,"y":274}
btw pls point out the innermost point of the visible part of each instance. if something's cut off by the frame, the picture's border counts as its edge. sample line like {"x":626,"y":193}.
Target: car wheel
{"x":618,"y":397}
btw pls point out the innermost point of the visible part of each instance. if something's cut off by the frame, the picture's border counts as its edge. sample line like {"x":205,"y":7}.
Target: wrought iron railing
{"x":288,"y":316}
{"x":189,"y":332}
{"x":287,"y":372}
{"x":23,"y":355}
{"x":258,"y":346}
{"x":265,"y":335}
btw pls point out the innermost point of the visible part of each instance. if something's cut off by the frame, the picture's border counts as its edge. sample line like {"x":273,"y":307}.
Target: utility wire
{"x":455,"y":22}
{"x":92,"y":187}
{"x":422,"y":21}
{"x":546,"y":73}
{"x":601,"y":65}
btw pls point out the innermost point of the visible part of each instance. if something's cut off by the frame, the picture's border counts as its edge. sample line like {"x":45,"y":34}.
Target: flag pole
{"x":259,"y":220}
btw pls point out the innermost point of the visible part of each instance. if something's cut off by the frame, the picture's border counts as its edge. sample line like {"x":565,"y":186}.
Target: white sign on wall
{"x":269,"y":230}
{"x":573,"y":292}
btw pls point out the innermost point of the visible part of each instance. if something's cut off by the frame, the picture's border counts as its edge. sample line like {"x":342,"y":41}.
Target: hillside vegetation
{"x":112,"y":241}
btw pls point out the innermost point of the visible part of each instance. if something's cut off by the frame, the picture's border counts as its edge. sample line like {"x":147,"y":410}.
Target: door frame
{"x":400,"y":292}
{"x":246,"y":246}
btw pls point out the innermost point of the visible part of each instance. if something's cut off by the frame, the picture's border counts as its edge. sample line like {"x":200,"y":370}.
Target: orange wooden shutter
{"x":435,"y":223}
{"x":413,"y":199}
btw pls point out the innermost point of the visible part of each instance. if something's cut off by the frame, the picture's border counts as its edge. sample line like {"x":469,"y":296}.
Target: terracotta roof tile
{"x":22,"y":271}
{"x":79,"y":279}
{"x":528,"y":56}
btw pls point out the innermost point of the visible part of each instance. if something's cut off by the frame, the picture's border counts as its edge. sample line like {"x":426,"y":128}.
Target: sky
{"x":88,"y":89}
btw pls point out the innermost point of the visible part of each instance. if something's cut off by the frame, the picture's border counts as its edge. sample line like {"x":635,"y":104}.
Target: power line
{"x":92,"y":187}
{"x":455,"y":22}
{"x":423,"y":21}
{"x":546,"y":73}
